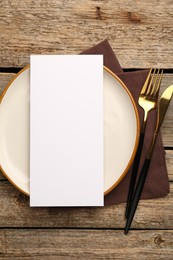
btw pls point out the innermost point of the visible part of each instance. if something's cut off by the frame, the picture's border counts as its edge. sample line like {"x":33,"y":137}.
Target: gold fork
{"x":147,"y":100}
{"x":163,"y":105}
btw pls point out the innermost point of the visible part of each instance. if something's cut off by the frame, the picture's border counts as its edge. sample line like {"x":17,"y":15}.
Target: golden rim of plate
{"x":137,"y":130}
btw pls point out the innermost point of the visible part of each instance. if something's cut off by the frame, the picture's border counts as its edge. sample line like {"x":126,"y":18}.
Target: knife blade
{"x":162,"y":108}
{"x":163,"y":105}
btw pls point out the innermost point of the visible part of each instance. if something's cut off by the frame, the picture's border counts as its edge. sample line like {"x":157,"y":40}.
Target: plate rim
{"x":136,"y":138}
{"x":1,"y":98}
{"x":137,"y":131}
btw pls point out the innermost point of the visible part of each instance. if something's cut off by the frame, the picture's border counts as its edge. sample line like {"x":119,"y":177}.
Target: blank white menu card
{"x":66,"y":130}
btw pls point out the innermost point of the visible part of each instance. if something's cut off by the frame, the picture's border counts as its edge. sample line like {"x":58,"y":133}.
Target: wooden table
{"x":141,"y":34}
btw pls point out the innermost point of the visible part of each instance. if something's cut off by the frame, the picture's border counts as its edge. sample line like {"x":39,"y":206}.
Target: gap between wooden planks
{"x":15,"y":212}
{"x":167,"y":128}
{"x":139,"y":32}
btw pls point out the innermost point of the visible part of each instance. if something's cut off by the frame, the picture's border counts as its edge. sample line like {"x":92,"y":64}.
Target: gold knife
{"x":162,"y":108}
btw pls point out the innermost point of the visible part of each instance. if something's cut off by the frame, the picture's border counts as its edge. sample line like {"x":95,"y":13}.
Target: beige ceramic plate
{"x":121,"y":130}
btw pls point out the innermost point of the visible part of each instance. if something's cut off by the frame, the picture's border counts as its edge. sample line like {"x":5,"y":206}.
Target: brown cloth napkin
{"x":157,"y":184}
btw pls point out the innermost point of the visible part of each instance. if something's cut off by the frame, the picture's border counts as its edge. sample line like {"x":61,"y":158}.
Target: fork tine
{"x":156,"y":92}
{"x":150,"y":85}
{"x":154,"y":86}
{"x":144,"y":89}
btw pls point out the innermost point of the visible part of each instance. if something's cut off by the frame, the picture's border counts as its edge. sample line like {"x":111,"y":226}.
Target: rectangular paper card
{"x":66,"y":130}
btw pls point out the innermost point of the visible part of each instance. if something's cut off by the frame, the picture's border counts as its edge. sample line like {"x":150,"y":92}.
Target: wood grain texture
{"x":15,"y":212}
{"x":169,"y":163}
{"x":140,"y":34}
{"x":87,"y":244}
{"x":167,"y":128}
{"x":4,"y":80}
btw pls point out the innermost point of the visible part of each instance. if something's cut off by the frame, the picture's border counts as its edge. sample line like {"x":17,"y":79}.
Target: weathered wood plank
{"x":169,"y":163}
{"x":15,"y":212}
{"x":4,"y":80}
{"x":167,"y":129}
{"x":2,"y":242}
{"x":141,"y":37}
{"x":139,"y":32}
{"x":87,"y":244}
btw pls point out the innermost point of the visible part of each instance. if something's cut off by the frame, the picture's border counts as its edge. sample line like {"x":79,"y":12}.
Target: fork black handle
{"x":134,"y":175}
{"x":137,"y":194}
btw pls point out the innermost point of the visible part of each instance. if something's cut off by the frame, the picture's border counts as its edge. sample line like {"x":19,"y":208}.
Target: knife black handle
{"x":137,"y":194}
{"x":134,"y":174}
